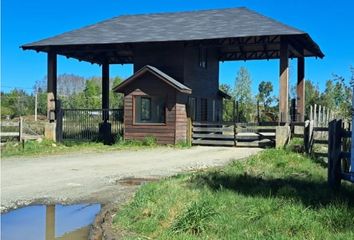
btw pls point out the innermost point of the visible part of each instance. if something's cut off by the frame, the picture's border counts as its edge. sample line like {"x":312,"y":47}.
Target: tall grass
{"x":276,"y":194}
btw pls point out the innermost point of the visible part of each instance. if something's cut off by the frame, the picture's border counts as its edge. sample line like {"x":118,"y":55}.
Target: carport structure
{"x":235,"y":34}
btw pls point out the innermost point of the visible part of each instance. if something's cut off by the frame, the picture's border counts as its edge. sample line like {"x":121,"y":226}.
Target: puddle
{"x":52,"y":222}
{"x":131,"y":181}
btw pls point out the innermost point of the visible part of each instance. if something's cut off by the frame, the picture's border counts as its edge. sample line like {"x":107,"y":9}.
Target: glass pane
{"x":145,"y":108}
{"x":150,"y":109}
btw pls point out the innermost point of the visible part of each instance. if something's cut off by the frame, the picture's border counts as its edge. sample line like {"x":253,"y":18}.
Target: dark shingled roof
{"x":161,"y":75}
{"x":205,"y":25}
{"x":194,"y":25}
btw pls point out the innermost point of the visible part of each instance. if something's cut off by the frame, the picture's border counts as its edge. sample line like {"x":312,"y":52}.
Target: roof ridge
{"x":179,"y":12}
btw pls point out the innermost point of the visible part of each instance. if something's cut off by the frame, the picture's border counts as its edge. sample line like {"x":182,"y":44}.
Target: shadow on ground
{"x":313,"y":193}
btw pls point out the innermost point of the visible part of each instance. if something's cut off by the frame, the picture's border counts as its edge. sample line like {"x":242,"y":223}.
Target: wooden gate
{"x":233,"y":134}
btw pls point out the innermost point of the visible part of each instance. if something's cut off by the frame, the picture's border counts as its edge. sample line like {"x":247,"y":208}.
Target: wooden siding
{"x":175,"y":126}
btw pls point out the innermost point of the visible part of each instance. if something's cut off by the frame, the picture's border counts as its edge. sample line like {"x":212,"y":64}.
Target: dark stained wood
{"x":105,"y":89}
{"x":300,"y":88}
{"x":284,"y":81}
{"x":51,"y":85}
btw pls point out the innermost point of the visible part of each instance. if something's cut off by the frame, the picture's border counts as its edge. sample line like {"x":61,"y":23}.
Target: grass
{"x":34,"y":148}
{"x":277,"y":194}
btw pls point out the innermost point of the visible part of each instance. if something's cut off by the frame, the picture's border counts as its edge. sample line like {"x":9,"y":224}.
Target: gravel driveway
{"x":94,"y":177}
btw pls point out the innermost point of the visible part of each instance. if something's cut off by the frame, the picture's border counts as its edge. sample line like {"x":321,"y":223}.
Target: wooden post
{"x":300,"y":88}
{"x":307,"y":136}
{"x":20,"y":129}
{"x":35,"y":105}
{"x":258,"y":117}
{"x":189,"y":131}
{"x":105,"y":90}
{"x":284,"y":81}
{"x":311,"y":112}
{"x":315,"y":115}
{"x":352,"y":147}
{"x":334,"y":152}
{"x":319,"y":116}
{"x":51,"y":85}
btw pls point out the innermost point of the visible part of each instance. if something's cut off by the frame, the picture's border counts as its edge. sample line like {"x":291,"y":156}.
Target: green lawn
{"x":276,"y":194}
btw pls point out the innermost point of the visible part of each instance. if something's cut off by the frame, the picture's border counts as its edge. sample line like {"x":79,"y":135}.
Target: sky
{"x":329,"y":23}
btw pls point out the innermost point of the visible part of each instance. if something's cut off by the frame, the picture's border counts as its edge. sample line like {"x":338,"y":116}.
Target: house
{"x":176,"y":58}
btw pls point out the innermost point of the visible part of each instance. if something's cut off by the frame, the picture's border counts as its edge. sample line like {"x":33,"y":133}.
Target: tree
{"x":116,"y":99}
{"x":228,"y":105}
{"x":265,"y":90}
{"x":243,"y":94}
{"x":312,"y":95}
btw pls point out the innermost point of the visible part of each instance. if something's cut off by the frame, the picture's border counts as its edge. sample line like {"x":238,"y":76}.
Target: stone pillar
{"x":300,"y":89}
{"x":284,"y":81}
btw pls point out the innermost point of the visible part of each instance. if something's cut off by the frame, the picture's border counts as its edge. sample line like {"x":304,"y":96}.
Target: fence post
{"x":315,"y":114}
{"x":20,"y":129}
{"x":334,"y":150}
{"x":59,"y":122}
{"x":189,"y":131}
{"x":352,"y":128}
{"x":307,"y":136}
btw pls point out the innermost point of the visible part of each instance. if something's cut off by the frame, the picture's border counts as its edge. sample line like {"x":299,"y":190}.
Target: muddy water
{"x":52,"y":222}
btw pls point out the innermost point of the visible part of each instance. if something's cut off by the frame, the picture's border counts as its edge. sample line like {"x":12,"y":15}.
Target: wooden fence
{"x":233,"y":134}
{"x":340,"y":164}
{"x":20,"y":130}
{"x":316,"y":131}
{"x":16,"y":129}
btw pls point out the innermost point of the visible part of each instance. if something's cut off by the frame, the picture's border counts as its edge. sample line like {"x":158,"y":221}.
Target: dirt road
{"x":94,"y":177}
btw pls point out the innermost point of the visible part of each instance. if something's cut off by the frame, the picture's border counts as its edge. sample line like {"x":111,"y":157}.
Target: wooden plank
{"x":213,"y":136}
{"x":320,"y":141}
{"x":254,"y":144}
{"x":320,"y":129}
{"x":211,"y":129}
{"x":318,"y":154}
{"x":213,"y":142}
{"x":9,"y":134}
{"x":300,"y":124}
{"x":9,"y":124}
{"x":197,"y":124}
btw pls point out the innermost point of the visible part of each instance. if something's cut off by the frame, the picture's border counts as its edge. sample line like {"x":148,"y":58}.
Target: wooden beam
{"x":105,"y":89}
{"x":284,"y":81}
{"x":300,"y":88}
{"x":51,"y":85}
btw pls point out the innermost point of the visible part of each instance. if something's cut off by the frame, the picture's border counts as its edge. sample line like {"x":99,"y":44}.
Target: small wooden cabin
{"x":171,"y":83}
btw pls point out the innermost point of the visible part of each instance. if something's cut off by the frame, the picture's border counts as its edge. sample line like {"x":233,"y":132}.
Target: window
{"x":145,"y":110}
{"x":203,"y":57}
{"x":204,"y":109}
{"x":149,"y":109}
{"x":192,"y":107}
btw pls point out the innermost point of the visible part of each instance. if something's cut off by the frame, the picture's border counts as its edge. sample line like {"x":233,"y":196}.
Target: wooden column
{"x":51,"y":85}
{"x":105,"y":90}
{"x":284,"y":81}
{"x":300,"y":88}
